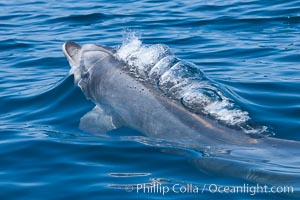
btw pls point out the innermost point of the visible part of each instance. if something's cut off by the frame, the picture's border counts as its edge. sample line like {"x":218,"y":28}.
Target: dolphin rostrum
{"x":125,"y":100}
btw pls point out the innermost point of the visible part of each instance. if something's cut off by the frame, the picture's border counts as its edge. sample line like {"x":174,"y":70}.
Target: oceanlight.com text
{"x":164,"y":189}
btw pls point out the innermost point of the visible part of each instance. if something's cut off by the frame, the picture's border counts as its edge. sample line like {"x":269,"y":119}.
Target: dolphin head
{"x":83,"y":58}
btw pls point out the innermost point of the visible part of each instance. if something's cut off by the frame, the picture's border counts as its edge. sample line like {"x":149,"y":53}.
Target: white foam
{"x":181,"y":80}
{"x":130,"y":45}
{"x":140,"y":58}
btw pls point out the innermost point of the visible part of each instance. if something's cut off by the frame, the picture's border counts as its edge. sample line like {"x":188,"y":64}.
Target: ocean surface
{"x":249,"y":49}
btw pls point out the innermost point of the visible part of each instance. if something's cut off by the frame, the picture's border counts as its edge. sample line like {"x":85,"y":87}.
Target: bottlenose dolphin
{"x":124,"y":100}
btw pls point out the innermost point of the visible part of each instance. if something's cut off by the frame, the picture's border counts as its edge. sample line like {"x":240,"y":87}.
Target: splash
{"x":182,"y":81}
{"x":140,"y":58}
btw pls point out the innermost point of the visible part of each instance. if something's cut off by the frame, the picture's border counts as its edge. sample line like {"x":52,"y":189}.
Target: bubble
{"x":161,"y":67}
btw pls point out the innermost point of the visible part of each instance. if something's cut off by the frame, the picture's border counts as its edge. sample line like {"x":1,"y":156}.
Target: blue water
{"x":250,"y":48}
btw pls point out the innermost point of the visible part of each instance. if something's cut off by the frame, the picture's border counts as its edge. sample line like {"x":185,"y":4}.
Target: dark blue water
{"x":250,"y":48}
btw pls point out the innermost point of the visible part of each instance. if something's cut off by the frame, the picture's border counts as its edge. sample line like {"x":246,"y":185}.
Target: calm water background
{"x":251,"y":48}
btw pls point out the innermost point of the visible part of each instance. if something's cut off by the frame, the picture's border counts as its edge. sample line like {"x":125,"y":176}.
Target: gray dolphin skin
{"x":124,"y":100}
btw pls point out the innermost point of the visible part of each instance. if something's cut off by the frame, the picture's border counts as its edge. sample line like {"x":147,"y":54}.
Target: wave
{"x":56,"y":105}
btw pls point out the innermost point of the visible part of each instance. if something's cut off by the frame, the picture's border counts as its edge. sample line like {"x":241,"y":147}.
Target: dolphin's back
{"x":146,"y":109}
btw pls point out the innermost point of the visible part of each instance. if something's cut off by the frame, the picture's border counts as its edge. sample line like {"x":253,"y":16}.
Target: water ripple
{"x":249,"y":48}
